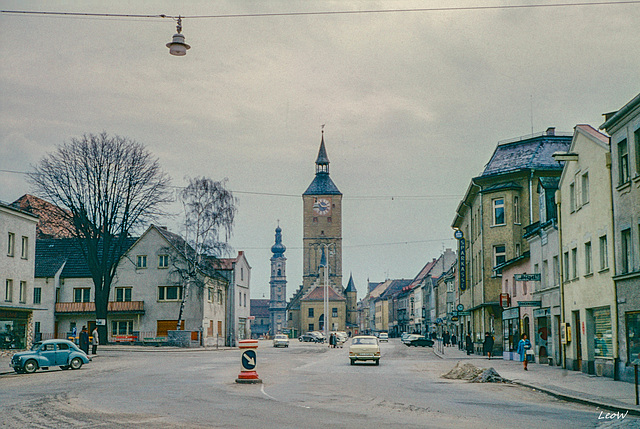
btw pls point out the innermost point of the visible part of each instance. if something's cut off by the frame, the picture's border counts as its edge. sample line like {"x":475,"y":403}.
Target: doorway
{"x":578,"y":339}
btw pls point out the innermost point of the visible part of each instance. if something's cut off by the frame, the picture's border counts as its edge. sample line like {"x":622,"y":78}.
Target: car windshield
{"x":281,"y":337}
{"x":364,"y":341}
{"x":36,"y":346}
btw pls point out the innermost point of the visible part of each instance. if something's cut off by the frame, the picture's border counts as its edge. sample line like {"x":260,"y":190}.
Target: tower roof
{"x":322,"y":183}
{"x":351,"y":287}
{"x":278,"y":248}
{"x":323,"y":159}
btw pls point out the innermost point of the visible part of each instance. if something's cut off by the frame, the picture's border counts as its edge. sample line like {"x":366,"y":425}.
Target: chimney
{"x":551,"y":131}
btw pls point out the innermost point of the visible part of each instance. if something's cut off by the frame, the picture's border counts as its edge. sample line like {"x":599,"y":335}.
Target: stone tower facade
{"x":278,"y":286}
{"x":352,"y":301}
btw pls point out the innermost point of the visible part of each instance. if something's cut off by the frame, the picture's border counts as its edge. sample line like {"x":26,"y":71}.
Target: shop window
{"x":633,"y":336}
{"x":603,"y":340}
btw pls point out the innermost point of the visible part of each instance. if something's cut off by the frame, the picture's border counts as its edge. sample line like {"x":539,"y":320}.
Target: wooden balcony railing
{"x":136,"y":307}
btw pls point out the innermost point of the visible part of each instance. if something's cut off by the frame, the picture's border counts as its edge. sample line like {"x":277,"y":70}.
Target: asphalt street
{"x":304,"y":386}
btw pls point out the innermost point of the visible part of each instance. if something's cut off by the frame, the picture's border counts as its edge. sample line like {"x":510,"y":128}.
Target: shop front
{"x":15,"y":328}
{"x":511,"y":332}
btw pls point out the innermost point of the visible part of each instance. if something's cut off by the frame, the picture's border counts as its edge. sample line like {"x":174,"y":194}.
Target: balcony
{"x":129,"y":307}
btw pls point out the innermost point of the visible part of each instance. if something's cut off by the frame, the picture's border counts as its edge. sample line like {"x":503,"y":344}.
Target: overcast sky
{"x":414,"y":104}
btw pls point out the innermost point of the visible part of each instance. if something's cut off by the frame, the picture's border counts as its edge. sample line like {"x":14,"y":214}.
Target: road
{"x":306,"y":385}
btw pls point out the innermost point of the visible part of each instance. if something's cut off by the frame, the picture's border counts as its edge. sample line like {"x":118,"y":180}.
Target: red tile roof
{"x":53,"y":222}
{"x":317,"y":294}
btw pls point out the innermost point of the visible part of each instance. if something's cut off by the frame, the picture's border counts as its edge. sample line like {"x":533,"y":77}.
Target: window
{"x":209,"y":294}
{"x":329,"y":220}
{"x":626,"y":258}
{"x":499,"y":255}
{"x":36,"y":329}
{"x":574,"y":263}
{"x":633,"y":336}
{"x":334,"y":312}
{"x":585,"y":188}
{"x":219,"y":296}
{"x":311,"y":326}
{"x":517,"y":249}
{"x":572,"y":197}
{"x":245,"y":299}
{"x":623,"y":161}
{"x":450,"y":287}
{"x":163,"y":261}
{"x":141,"y":261}
{"x":8,"y":290}
{"x":636,"y":134}
{"x":123,"y":294}
{"x":239,"y":299}
{"x":122,"y":327}
{"x":11,"y":244}
{"x":241,"y":274}
{"x":81,"y":294}
{"x":603,"y":346}
{"x":169,"y":293}
{"x":310,"y":314}
{"x":556,"y":271}
{"x":545,"y":274}
{"x":23,"y":292}
{"x":498,"y":211}
{"x":516,"y":210}
{"x":37,"y":295}
{"x":315,"y":220}
{"x":604,"y":253}
{"x":566,"y":266}
{"x":587,"y":259}
{"x":290,"y":316}
{"x":24,"y":254}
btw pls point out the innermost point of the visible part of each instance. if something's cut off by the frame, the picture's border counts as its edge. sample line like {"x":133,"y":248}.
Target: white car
{"x":364,"y":347}
{"x":280,"y":340}
{"x":383,"y":337}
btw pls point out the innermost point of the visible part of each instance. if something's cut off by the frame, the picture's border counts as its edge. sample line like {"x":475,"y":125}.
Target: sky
{"x":413,"y":104}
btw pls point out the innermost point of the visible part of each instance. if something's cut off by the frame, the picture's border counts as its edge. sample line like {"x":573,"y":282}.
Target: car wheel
{"x":353,"y":361}
{"x":377,"y":362}
{"x":76,"y":363}
{"x":64,"y":367}
{"x":30,"y":366}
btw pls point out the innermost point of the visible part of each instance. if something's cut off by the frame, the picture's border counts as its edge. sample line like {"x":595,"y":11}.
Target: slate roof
{"x":317,"y":294}
{"x":395,"y":287}
{"x":259,"y":307}
{"x":322,"y":185}
{"x":351,"y":287}
{"x":501,"y":187}
{"x":322,"y":153}
{"x":52,"y":253}
{"x":534,"y":153}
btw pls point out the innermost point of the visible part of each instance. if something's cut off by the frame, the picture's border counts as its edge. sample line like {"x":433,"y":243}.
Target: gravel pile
{"x":474,"y":374}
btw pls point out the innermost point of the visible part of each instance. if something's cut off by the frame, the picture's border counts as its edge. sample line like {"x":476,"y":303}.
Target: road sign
{"x":249,"y":359}
{"x":527,"y":277}
{"x":460,"y":307}
{"x":454,"y":319}
{"x":529,"y":303}
{"x":458,"y":234}
{"x":464,"y":313}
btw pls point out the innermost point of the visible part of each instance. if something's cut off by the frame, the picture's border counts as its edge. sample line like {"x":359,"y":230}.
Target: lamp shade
{"x":178,"y":46}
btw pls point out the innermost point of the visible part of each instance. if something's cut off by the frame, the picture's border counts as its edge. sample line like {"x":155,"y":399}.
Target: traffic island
{"x":248,"y":362}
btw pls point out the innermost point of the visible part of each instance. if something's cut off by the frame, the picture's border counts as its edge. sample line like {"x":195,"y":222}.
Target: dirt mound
{"x":462,"y":371}
{"x":489,"y":376}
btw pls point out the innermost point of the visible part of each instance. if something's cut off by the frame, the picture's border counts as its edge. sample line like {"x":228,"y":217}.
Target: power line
{"x":352,"y":246}
{"x":316,"y":13}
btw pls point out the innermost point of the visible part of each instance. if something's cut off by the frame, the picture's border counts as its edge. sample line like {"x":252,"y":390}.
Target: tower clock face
{"x":322,"y":206}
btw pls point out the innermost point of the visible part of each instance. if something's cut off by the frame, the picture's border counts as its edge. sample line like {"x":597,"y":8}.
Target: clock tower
{"x":322,"y":223}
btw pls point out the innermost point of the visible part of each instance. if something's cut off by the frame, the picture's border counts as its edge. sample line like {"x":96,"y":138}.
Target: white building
{"x":18,"y":293}
{"x":237,"y":272}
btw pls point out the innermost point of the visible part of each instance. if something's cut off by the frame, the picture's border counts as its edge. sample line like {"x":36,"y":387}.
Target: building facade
{"x":624,"y":128}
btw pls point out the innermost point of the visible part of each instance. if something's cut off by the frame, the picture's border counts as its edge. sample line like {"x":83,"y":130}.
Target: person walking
{"x":453,"y":340}
{"x":487,"y":345}
{"x":468,"y":344}
{"x":94,"y":341}
{"x":523,"y":346}
{"x":84,"y":340}
{"x":445,"y":338}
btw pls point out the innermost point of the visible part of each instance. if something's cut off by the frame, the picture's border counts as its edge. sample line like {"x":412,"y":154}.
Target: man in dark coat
{"x":487,"y":345}
{"x":84,"y":340}
{"x":468,"y":344}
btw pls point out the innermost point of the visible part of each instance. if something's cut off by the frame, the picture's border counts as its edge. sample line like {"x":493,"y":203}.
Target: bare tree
{"x":106,"y":187}
{"x":209,"y":212}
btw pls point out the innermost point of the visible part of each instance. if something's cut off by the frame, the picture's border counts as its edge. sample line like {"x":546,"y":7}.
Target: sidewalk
{"x":575,"y":386}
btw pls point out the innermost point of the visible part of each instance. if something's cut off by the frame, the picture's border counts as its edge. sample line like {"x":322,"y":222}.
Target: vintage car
{"x":45,"y":354}
{"x":280,"y":340}
{"x":311,"y":337}
{"x":421,"y":341}
{"x":383,"y":337}
{"x":364,"y":347}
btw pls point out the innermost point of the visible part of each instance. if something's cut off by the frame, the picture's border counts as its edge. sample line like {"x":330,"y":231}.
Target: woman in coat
{"x":468,"y":344}
{"x":523,"y":346}
{"x":487,"y":345}
{"x":84,"y":340}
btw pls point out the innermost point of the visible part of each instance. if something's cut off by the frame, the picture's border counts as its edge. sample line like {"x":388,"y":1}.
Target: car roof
{"x":364,"y":336}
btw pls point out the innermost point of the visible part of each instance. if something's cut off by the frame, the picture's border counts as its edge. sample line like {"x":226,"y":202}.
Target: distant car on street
{"x":311,"y":337}
{"x":383,"y":337}
{"x":280,"y":340}
{"x":45,"y":354}
{"x":363,"y":348}
{"x":409,"y":337}
{"x":421,"y":341}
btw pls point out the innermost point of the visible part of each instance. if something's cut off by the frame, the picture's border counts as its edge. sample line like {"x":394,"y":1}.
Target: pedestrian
{"x":454,"y":340}
{"x":84,"y":340}
{"x":487,"y":345}
{"x":94,"y":341}
{"x":523,"y":346}
{"x":332,"y":341}
{"x":445,"y":338}
{"x":468,"y":344}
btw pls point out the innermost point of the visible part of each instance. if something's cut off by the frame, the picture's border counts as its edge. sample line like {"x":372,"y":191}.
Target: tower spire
{"x":322,"y":162}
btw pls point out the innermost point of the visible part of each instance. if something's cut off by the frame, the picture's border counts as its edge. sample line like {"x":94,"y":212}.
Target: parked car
{"x":364,"y":347}
{"x":311,"y":337}
{"x":421,"y":341}
{"x":45,"y":354}
{"x":280,"y":340}
{"x":383,"y":337}
{"x":341,"y":338}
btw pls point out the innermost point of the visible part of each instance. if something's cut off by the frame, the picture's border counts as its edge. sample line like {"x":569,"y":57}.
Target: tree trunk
{"x":102,"y":304}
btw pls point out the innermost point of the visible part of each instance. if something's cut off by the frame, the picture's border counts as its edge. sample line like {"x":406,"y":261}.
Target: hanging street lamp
{"x":177,"y":46}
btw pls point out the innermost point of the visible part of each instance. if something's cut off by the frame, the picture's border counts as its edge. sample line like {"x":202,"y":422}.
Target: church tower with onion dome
{"x":278,"y":286}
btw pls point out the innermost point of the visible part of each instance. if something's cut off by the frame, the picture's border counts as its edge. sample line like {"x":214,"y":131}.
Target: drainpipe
{"x":531,"y":196}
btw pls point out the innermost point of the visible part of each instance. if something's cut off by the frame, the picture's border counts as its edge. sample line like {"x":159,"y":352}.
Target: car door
{"x":62,"y":354}
{"x":48,"y":352}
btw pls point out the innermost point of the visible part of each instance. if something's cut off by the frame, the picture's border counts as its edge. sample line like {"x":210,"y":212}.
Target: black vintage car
{"x":421,"y":341}
{"x":311,"y":337}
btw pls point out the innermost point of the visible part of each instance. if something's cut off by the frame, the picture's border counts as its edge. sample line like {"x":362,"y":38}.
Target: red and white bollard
{"x":248,"y":362}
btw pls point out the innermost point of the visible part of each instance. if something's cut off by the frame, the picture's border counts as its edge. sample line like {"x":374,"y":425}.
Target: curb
{"x":566,"y":397}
